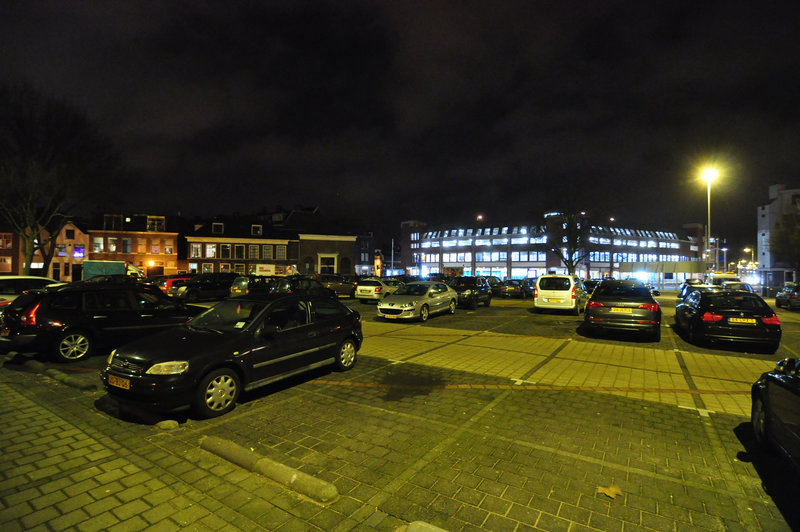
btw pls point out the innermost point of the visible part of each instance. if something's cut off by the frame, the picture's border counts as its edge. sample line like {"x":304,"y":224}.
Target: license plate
{"x":363,"y":291}
{"x":744,"y":321}
{"x":119,"y":382}
{"x":553,"y":300}
{"x":390,"y":316}
{"x":621,"y":309}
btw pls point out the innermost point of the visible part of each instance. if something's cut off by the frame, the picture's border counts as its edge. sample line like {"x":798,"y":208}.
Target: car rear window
{"x":736,"y":302}
{"x":369,"y":283}
{"x":462,"y":282}
{"x":554,"y":283}
{"x":622,"y":291}
{"x":24,"y":301}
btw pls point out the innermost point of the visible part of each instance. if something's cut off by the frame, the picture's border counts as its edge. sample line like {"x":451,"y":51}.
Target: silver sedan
{"x":418,"y":301}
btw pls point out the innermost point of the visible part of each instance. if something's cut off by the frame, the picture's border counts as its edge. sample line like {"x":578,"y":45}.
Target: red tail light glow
{"x":378,"y":289}
{"x":772,"y":320}
{"x":535,"y":292}
{"x":652,"y":307}
{"x":708,"y":316}
{"x":574,"y":292}
{"x":4,"y":303}
{"x":593,"y":304}
{"x":29,"y":318}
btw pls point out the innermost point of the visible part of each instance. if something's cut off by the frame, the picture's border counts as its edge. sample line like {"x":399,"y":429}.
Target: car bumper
{"x":393,"y":314}
{"x":22,"y":342}
{"x":600,"y":324}
{"x":167,"y":394}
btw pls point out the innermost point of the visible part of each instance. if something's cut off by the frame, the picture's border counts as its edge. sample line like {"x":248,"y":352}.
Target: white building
{"x":781,"y":200}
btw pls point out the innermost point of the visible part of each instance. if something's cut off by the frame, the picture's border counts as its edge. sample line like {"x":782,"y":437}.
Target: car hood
{"x":394,"y":300}
{"x":179,"y":343}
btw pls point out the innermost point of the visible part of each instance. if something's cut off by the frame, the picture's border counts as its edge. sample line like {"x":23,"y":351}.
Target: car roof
{"x":3,"y":277}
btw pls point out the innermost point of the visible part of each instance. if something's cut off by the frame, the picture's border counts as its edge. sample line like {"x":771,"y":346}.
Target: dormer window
{"x":255,"y":230}
{"x":217,"y":228}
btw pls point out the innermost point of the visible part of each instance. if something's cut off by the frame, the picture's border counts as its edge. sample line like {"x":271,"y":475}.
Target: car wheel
{"x":694,"y":337}
{"x":73,"y":345}
{"x":656,"y":335}
{"x":423,"y":313}
{"x":758,"y":419}
{"x":217,"y":393}
{"x":473,"y":303}
{"x":576,"y":311}
{"x":191,"y":296}
{"x":346,"y":357}
{"x":452,"y":308}
{"x":488,"y":301}
{"x":773,"y":347}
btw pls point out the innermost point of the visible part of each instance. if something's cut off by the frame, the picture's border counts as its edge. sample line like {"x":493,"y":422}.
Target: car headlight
{"x":111,"y":357}
{"x":412,"y":304}
{"x":173,"y":367}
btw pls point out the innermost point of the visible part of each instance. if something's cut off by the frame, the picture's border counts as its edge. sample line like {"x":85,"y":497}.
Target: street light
{"x":749,"y":250}
{"x":708,"y":175}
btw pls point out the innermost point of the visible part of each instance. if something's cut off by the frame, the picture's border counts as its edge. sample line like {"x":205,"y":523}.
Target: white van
{"x":559,"y":292}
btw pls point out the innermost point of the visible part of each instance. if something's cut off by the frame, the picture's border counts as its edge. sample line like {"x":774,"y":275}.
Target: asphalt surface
{"x":495,"y":419}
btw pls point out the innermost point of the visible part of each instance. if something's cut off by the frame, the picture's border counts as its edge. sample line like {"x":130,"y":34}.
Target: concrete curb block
{"x":69,"y":380}
{"x":422,"y":526}
{"x":317,"y":489}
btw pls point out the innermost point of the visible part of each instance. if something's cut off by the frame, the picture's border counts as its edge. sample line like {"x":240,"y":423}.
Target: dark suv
{"x":472,"y":290}
{"x":207,"y":286}
{"x":71,"y":320}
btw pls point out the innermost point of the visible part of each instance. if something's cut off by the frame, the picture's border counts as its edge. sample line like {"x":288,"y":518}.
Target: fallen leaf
{"x":609,"y":491}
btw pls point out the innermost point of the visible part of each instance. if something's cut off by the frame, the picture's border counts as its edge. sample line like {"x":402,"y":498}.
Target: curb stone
{"x":317,"y":489}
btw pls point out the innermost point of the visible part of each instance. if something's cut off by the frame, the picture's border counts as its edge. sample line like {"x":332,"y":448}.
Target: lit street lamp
{"x":708,"y":175}
{"x":749,"y":250}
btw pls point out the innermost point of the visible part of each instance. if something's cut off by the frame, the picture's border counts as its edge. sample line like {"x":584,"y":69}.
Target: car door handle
{"x":146,"y":315}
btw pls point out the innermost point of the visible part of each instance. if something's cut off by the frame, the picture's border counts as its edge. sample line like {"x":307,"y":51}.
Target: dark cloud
{"x":385,"y":111}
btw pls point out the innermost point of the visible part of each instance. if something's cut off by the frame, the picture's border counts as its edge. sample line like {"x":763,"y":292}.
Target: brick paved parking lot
{"x":457,"y":427}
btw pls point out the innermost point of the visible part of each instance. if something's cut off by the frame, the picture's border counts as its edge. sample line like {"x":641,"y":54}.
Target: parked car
{"x":167,"y":282}
{"x":206,"y":286}
{"x":559,"y":292}
{"x":472,"y":291}
{"x":418,"y":301}
{"x":512,"y":288}
{"x":72,"y":320}
{"x":687,"y":287}
{"x":728,"y":316}
{"x":618,"y":305}
{"x":238,"y":344}
{"x":737,"y":285}
{"x":495,"y":283}
{"x":244,"y":284}
{"x":787,"y":296}
{"x":343,"y":286}
{"x":590,"y":284}
{"x":375,"y":289}
{"x":775,"y":415}
{"x":298,"y":285}
{"x":11,"y":286}
{"x":528,"y":287}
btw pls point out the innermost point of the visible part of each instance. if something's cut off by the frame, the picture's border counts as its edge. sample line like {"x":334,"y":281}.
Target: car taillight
{"x":593,"y":304}
{"x":4,"y":303}
{"x":708,"y":316}
{"x":535,"y":292}
{"x":378,"y":289}
{"x":793,"y":296}
{"x":574,"y":293}
{"x":29,"y":318}
{"x":772,"y":320}
{"x":652,"y":307}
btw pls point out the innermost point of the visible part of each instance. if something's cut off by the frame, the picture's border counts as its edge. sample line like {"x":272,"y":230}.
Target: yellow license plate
{"x":554,"y":300}
{"x":622,"y":309}
{"x":746,"y":321}
{"x":390,"y":316}
{"x":119,"y":382}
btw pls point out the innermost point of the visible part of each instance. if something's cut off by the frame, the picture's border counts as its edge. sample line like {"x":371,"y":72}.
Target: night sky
{"x":396,"y":110}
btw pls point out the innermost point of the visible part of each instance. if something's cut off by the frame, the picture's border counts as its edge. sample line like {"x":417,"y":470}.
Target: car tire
{"x":192,"y":296}
{"x":346,"y":355}
{"x":655,"y":336}
{"x":488,"y":301}
{"x":576,"y":311}
{"x":773,"y":347}
{"x":758,"y":420}
{"x":217,"y":393}
{"x":452,"y":307}
{"x":423,"y":313}
{"x":691,"y":332}
{"x":473,"y":303}
{"x":71,"y":346}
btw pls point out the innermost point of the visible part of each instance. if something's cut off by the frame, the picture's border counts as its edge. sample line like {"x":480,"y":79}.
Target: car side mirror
{"x":266,"y":331}
{"x":786,"y":365}
{"x":656,"y":293}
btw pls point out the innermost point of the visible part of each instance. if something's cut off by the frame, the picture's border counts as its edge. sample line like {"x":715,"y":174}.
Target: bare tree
{"x":568,"y":237}
{"x":51,"y":159}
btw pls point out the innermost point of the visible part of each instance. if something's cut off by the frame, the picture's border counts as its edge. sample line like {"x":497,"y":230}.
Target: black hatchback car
{"x":472,"y":290}
{"x":206,"y":286}
{"x":728,"y":316}
{"x":238,"y":344}
{"x":775,"y":413}
{"x":618,"y":305}
{"x":71,"y":320}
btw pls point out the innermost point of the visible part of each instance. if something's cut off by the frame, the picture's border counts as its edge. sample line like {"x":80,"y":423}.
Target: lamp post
{"x":750,"y":250}
{"x":725,"y":256}
{"x":708,"y":175}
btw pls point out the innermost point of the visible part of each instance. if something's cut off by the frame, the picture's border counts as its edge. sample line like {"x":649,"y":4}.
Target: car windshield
{"x":723,"y":301}
{"x":622,"y":291}
{"x":228,"y":316}
{"x":412,"y":290}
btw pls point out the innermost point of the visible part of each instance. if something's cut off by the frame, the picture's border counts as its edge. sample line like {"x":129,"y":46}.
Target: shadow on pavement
{"x":779,"y":480}
{"x":401,"y":384}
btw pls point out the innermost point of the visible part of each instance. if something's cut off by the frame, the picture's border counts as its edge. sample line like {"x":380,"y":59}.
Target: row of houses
{"x":276,"y":243}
